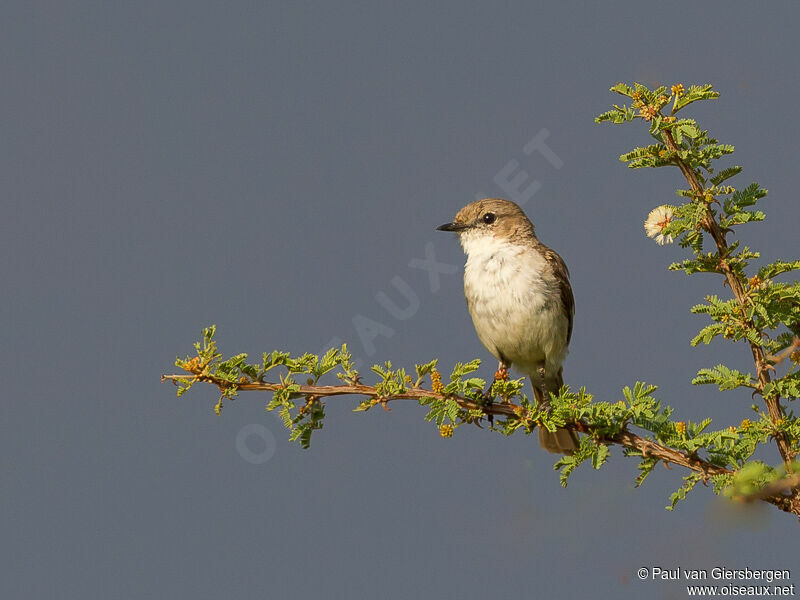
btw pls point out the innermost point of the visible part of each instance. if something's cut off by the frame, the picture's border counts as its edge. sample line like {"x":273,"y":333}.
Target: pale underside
{"x":515,"y":302}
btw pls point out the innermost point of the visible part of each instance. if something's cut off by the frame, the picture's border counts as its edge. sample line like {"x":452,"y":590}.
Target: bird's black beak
{"x":451,"y":227}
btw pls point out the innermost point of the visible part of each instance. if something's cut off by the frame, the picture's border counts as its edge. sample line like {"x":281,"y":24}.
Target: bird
{"x":520,"y":300}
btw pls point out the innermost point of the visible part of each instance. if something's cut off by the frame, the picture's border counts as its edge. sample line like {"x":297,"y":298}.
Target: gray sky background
{"x":271,"y":169}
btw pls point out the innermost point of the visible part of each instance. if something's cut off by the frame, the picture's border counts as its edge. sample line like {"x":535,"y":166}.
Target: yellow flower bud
{"x":754,"y":281}
{"x":436,"y":382}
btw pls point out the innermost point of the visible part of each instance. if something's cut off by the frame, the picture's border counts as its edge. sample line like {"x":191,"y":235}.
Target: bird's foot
{"x":501,"y":374}
{"x":542,"y":400}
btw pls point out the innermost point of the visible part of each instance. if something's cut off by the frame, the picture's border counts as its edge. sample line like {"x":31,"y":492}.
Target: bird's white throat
{"x":489,"y":254}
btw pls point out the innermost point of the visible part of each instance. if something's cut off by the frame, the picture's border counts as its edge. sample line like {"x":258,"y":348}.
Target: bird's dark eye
{"x":489,"y":218}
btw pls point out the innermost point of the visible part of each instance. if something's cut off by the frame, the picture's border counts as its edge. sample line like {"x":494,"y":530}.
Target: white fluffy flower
{"x":657,"y":222}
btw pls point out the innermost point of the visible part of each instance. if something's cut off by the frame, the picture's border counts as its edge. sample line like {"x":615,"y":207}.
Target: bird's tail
{"x":561,"y":441}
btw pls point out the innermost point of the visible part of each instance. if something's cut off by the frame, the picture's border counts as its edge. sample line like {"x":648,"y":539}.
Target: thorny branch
{"x":626,"y":438}
{"x":776,"y":413}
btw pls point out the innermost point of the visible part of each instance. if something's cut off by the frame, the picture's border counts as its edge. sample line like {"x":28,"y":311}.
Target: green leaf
{"x":618,"y":114}
{"x":655,"y":155}
{"x":600,"y":457}
{"x":693,"y":94}
{"x":646,"y":466}
{"x":689,"y":482}
{"x":452,"y":410}
{"x":725,"y":174}
{"x":708,"y":333}
{"x":724,"y":378}
{"x":787,"y":387}
{"x":426,"y":368}
{"x":777,"y":268}
{"x":622,"y":88}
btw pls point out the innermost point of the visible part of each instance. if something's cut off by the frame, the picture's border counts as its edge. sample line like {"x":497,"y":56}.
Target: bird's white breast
{"x":514,"y":300}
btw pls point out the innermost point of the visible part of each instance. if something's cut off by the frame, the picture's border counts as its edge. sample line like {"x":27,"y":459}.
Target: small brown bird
{"x":520,"y":299}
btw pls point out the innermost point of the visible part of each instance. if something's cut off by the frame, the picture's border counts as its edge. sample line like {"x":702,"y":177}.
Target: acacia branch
{"x":776,"y":413}
{"x":626,"y":438}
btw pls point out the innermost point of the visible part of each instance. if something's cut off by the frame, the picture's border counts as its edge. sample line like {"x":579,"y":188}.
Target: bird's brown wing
{"x":562,"y":276}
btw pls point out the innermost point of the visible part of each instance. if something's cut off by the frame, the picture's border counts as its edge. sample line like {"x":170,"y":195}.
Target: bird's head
{"x":490,"y":219}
